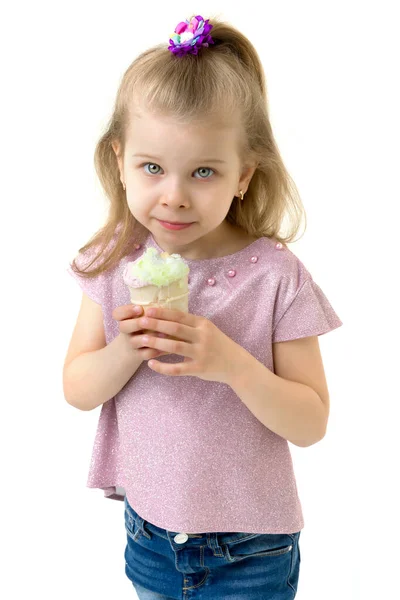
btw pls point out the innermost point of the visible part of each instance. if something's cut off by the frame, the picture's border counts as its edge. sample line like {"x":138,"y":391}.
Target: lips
{"x":175,"y":222}
{"x":175,"y":226}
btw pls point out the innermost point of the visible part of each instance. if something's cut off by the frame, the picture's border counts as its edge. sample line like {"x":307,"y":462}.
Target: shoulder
{"x":281,"y":262}
{"x":96,"y":254}
{"x":106,"y":284}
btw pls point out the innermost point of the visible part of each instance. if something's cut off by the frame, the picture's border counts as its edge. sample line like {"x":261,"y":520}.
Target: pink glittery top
{"x":188,"y":453}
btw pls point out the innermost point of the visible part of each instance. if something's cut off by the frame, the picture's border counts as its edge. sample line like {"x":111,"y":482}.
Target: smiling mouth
{"x":175,"y":222}
{"x":174,"y":226}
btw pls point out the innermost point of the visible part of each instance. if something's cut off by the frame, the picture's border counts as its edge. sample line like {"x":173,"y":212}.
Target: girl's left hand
{"x":209,"y":353}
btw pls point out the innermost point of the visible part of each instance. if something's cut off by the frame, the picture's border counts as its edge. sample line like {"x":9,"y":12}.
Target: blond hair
{"x":227,"y":78}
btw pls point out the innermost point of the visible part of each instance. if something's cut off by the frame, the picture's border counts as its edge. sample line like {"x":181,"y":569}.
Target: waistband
{"x":211,"y":539}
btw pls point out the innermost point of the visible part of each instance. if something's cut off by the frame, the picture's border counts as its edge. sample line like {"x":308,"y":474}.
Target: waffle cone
{"x":175,"y":295}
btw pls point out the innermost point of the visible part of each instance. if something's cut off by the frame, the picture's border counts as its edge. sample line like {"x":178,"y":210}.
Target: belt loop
{"x":212,"y":542}
{"x":141,"y":526}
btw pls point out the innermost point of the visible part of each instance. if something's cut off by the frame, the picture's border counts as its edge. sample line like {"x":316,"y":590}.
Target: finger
{"x":183,"y":368}
{"x":130,"y":325}
{"x":171,"y":328}
{"x":127,"y":311}
{"x":167,"y":345}
{"x":136,"y":339}
{"x":168,"y":314}
{"x":148,"y":353}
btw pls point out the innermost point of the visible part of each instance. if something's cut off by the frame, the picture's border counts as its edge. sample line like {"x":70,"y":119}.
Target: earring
{"x":241,"y":194}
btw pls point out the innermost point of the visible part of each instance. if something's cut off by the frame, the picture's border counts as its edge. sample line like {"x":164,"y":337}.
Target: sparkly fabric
{"x":188,"y":453}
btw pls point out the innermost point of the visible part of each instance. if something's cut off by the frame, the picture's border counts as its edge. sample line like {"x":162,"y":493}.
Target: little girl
{"x":196,"y":442}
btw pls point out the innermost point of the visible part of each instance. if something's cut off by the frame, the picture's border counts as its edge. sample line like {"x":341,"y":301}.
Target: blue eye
{"x":152,"y":165}
{"x":152,"y":172}
{"x":204,"y":169}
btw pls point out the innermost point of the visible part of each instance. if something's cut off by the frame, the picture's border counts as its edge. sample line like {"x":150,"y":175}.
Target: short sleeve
{"x":302,"y":308}
{"x":94,"y":287}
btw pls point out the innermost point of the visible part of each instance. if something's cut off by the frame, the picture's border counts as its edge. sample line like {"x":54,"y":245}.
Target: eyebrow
{"x":203,"y":161}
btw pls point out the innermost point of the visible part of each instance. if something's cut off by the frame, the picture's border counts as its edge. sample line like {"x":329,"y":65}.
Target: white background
{"x":333,"y":85}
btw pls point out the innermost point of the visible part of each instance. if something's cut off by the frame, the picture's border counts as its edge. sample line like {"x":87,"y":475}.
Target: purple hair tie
{"x":189,"y":36}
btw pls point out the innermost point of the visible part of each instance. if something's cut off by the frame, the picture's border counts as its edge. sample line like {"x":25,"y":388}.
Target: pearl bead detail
{"x":138,"y":246}
{"x":278,"y":246}
{"x":254,"y":259}
{"x":211,"y":281}
{"x":232,"y":273}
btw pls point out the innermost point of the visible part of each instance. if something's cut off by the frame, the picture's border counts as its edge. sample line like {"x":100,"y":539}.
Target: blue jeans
{"x":172,"y":565}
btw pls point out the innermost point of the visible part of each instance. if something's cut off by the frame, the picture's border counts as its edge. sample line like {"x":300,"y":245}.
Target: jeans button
{"x":181,"y":538}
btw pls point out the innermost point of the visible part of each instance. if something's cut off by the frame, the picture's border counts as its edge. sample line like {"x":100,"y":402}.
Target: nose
{"x":175,"y":197}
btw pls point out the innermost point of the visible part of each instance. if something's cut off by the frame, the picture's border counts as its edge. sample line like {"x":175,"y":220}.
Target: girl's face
{"x":183,"y":174}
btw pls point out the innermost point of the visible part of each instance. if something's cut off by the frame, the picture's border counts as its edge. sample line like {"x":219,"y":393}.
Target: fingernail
{"x":137,"y":310}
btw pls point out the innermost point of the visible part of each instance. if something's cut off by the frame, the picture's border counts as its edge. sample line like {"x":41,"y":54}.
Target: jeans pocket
{"x":131,"y":528}
{"x":262,"y":544}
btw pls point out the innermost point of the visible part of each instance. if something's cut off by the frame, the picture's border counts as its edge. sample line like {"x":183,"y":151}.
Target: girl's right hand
{"x":128,"y":327}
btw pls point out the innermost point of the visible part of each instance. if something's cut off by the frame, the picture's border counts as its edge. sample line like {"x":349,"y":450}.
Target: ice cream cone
{"x":175,"y":295}
{"x":158,"y":280}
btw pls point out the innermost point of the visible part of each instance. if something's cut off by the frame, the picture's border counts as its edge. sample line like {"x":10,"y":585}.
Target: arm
{"x":288,"y":405}
{"x":92,"y":378}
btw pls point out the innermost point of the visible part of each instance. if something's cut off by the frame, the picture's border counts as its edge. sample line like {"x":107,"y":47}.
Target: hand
{"x":209,"y":353}
{"x":129,"y":326}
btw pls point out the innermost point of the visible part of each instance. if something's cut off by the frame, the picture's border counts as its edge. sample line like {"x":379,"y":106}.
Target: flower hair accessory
{"x":189,"y":36}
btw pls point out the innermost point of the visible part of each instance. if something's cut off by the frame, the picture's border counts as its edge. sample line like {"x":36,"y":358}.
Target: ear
{"x":246,"y":176}
{"x":117,"y":149}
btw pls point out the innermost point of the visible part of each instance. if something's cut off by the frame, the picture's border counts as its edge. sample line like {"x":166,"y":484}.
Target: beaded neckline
{"x":228,"y":257}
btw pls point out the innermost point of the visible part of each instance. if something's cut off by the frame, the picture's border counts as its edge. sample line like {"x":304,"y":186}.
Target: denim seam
{"x":290,"y":570}
{"x":264,"y":553}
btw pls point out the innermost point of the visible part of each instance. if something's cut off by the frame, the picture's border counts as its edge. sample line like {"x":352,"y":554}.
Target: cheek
{"x":136,"y":208}
{"x":217,"y":205}
{"x":140,"y":206}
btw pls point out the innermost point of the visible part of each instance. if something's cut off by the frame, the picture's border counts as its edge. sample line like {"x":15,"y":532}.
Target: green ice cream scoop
{"x":153,"y":268}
